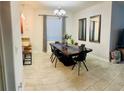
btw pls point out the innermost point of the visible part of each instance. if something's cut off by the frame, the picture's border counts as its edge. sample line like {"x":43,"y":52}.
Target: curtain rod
{"x":50,"y":15}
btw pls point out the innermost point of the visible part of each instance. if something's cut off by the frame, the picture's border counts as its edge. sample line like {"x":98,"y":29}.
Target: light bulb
{"x":56,"y":11}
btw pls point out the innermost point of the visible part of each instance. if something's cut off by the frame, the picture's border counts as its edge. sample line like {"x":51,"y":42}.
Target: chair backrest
{"x":82,"y":56}
{"x":57,"y":42}
{"x":76,"y":44}
{"x":82,"y":47}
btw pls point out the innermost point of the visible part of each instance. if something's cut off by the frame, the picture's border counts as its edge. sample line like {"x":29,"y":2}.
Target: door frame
{"x":2,"y":59}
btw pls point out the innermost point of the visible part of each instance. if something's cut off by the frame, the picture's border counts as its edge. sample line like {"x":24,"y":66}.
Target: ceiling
{"x":72,"y":6}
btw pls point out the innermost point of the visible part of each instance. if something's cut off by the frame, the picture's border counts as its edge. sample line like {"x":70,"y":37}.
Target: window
{"x":82,"y":29}
{"x":54,"y":28}
{"x":95,"y":28}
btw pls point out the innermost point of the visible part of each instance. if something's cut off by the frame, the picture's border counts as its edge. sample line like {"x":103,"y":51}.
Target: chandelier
{"x":59,"y":12}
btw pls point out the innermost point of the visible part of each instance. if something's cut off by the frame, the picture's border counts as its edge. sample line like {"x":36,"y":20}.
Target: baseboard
{"x":100,"y":58}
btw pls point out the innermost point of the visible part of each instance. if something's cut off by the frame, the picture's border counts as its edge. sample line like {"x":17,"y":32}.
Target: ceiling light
{"x":59,"y":12}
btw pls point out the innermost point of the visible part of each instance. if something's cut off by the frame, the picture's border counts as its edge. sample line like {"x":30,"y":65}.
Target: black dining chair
{"x":76,"y":44}
{"x":58,"y":56}
{"x":80,"y":58}
{"x":52,"y":57}
{"x":82,"y":47}
{"x":57,"y":42}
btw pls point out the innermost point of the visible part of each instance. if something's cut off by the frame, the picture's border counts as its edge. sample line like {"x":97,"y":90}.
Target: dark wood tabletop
{"x":69,"y":50}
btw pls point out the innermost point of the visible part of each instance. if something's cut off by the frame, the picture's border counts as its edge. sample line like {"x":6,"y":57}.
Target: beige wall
{"x":104,"y":9}
{"x":33,"y":26}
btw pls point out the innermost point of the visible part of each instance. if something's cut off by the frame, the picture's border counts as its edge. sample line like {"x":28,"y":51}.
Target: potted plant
{"x":68,"y":39}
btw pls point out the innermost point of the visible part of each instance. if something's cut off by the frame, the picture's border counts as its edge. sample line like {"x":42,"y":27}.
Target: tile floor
{"x":43,"y":76}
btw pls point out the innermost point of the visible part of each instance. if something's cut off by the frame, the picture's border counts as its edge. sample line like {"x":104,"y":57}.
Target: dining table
{"x":69,"y":51}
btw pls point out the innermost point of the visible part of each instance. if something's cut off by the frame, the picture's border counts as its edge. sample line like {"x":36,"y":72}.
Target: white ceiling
{"x":72,"y":6}
{"x":68,"y":5}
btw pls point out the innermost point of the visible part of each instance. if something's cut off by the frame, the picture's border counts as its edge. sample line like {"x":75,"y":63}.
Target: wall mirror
{"x":95,"y":28}
{"x":82,"y":29}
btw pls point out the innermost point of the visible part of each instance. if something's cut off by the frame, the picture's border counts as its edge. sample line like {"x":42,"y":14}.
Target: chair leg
{"x":55,"y":62}
{"x":79,"y":65}
{"x":53,"y":59}
{"x":85,"y":65}
{"x":73,"y":66}
{"x":51,"y":56}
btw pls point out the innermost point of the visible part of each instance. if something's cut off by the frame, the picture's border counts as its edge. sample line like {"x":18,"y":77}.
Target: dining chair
{"x":52,"y":57}
{"x":76,"y":43}
{"x":58,"y":56}
{"x":82,"y":47}
{"x":57,"y":42}
{"x":80,"y":58}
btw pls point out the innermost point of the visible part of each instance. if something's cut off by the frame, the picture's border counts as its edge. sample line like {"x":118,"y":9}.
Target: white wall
{"x":104,"y":9}
{"x":117,"y":22}
{"x":69,"y":24}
